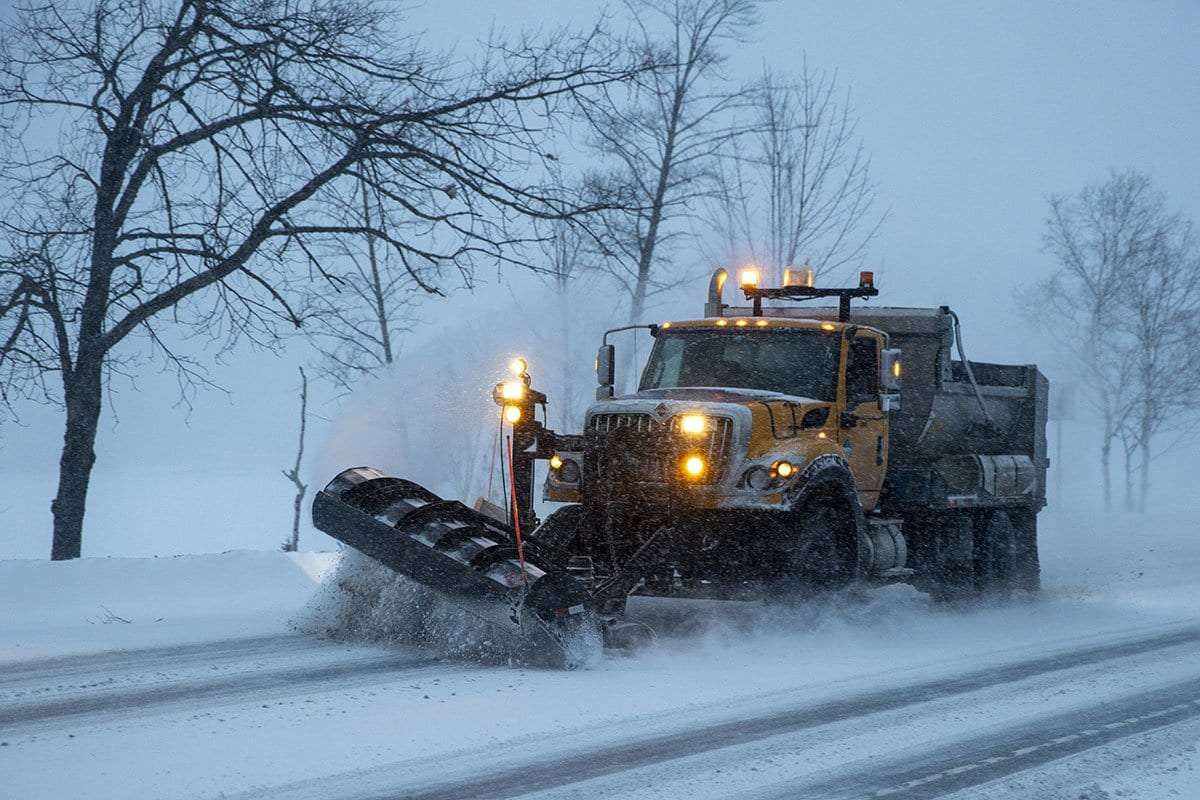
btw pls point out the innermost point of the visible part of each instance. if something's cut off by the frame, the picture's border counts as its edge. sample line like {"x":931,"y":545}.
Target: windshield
{"x":802,"y":363}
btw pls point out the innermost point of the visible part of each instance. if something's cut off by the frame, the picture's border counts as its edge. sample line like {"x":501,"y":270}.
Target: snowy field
{"x":191,"y":677}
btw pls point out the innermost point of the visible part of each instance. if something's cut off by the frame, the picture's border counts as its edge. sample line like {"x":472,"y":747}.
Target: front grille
{"x":643,"y":449}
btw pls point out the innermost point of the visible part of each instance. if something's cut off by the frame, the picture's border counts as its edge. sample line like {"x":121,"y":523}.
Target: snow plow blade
{"x":468,"y":558}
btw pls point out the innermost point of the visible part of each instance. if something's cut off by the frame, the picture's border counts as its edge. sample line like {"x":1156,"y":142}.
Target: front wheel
{"x":819,"y":546}
{"x":557,"y":534}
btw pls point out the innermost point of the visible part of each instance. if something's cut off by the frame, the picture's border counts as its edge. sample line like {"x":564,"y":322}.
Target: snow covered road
{"x":791,"y":751}
{"x":139,"y":682}
{"x":179,"y":678}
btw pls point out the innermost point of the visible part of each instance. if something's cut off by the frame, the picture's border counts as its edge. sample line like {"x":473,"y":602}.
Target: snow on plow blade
{"x":466,"y":557}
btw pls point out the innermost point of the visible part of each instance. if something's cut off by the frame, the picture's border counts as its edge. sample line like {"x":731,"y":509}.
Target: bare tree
{"x":797,"y":187}
{"x":572,"y":267}
{"x":664,"y":131}
{"x":1163,"y":306}
{"x":207,"y":148}
{"x":1122,"y":304}
{"x":292,"y":544}
{"x":369,"y":302}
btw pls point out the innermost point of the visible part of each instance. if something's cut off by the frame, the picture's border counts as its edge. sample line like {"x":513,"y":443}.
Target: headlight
{"x":512,"y":414}
{"x":512,"y":390}
{"x":693,"y":466}
{"x":784,"y":469}
{"x":693,"y":423}
{"x":565,"y":469}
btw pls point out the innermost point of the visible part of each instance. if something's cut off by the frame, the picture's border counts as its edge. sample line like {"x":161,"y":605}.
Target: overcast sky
{"x":971,"y":117}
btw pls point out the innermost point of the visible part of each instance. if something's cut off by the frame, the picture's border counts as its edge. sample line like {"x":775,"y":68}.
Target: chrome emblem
{"x":661,"y":412}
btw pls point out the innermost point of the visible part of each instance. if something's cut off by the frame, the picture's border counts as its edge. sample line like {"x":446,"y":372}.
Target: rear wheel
{"x":988,"y":554}
{"x":1028,"y":566}
{"x":995,"y":555}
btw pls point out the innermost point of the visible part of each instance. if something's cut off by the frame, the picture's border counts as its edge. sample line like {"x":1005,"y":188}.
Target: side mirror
{"x":891,"y":370}
{"x":606,"y":371}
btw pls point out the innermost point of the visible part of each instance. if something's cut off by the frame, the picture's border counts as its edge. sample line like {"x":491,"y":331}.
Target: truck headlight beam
{"x":693,"y":466}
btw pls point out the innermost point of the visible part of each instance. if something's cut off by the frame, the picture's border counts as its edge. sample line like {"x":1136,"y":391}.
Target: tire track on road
{"x":229,"y":687}
{"x":569,"y":768}
{"x":965,"y":764}
{"x":148,"y":658}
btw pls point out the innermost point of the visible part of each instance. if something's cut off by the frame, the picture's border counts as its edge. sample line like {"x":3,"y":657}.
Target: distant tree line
{"x":1123,"y":305}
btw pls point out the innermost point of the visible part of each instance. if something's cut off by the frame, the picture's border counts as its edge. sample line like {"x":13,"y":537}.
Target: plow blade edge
{"x":466,"y":557}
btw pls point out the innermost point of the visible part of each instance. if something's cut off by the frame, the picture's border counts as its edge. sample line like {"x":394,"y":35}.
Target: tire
{"x":994,"y":556}
{"x":557,"y":533}
{"x":820,"y":541}
{"x":1028,"y":575}
{"x":989,"y":555}
{"x":953,"y":557}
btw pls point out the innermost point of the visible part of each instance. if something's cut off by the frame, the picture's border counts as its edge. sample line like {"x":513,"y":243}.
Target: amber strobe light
{"x":512,"y":414}
{"x":693,"y":466}
{"x":693,"y":423}
{"x":793,"y":276}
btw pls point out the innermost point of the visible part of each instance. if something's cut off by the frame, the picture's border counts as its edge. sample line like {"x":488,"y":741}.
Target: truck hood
{"x":742,"y":406}
{"x":713,"y":394}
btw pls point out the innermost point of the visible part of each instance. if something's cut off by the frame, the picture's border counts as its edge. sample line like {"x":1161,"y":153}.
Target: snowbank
{"x":56,"y":608}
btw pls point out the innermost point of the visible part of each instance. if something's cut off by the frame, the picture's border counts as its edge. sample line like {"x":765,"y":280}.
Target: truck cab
{"x":751,"y":402}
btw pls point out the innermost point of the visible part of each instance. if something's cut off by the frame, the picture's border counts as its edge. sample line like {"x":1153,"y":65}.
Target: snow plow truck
{"x":771,"y":450}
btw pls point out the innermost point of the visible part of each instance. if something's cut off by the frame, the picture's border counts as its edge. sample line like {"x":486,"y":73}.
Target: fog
{"x":971,"y":118}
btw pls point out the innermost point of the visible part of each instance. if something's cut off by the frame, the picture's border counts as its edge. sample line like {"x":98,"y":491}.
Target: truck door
{"x":862,"y":427}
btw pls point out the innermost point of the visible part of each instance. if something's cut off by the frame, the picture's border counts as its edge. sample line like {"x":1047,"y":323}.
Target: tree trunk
{"x":83,"y":396}
{"x":1129,"y":472}
{"x":1144,"y":467}
{"x":1106,"y":470}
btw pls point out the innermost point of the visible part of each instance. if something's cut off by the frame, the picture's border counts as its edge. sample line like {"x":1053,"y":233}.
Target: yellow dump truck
{"x":770,"y":450}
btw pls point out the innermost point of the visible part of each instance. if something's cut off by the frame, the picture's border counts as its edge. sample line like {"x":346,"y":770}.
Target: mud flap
{"x":466,"y":557}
